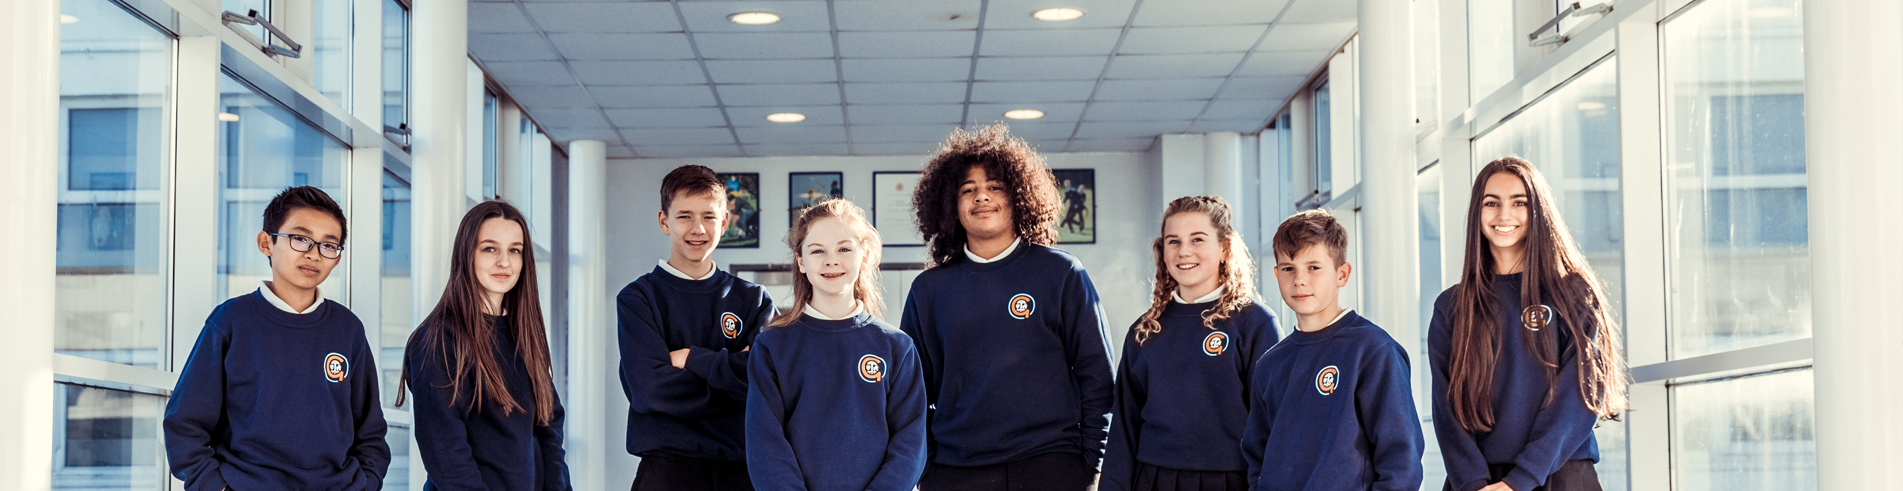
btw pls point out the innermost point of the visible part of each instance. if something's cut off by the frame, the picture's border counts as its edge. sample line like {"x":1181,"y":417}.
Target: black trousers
{"x":670,"y":473}
{"x":1048,"y":472}
{"x":1152,"y":478}
{"x":1574,"y":475}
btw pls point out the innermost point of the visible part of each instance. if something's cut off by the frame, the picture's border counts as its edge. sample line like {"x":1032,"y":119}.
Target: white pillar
{"x":1853,"y":126}
{"x":594,"y":394}
{"x":29,"y":130}
{"x":439,"y":150}
{"x":1182,"y":166}
{"x":1222,"y":170}
{"x":1391,"y":239}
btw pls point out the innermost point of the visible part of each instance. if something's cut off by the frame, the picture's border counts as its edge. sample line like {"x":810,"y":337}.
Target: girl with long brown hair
{"x":487,"y":416}
{"x":836,"y":399}
{"x":1183,"y":382}
{"x":1526,"y":356}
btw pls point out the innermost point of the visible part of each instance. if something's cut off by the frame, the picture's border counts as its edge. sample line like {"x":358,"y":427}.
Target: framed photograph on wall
{"x":805,"y":189}
{"x":743,"y":203}
{"x":1077,"y":193}
{"x":892,"y":207}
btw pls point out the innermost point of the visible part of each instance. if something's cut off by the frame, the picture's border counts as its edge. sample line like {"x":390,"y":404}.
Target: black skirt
{"x":1152,"y":478}
{"x":1574,"y":475}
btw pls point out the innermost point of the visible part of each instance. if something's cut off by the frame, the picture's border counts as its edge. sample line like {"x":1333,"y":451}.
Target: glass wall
{"x":397,"y":305}
{"x":329,"y":49}
{"x":263,"y":149}
{"x":1427,"y":194}
{"x":489,"y":150}
{"x":1490,"y":39}
{"x":107,"y":439}
{"x":396,"y":68}
{"x":1745,"y":434}
{"x":1324,"y":155}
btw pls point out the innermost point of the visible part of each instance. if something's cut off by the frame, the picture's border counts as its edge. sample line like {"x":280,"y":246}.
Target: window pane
{"x":107,"y":439}
{"x":1324,"y":154}
{"x":1489,"y":46}
{"x":1426,"y":59}
{"x":242,"y":7}
{"x":488,"y":144}
{"x":330,"y":49}
{"x":1745,"y":434}
{"x":115,"y":78}
{"x":265,"y":151}
{"x":396,"y":52}
{"x":396,"y":281}
{"x":398,"y":477}
{"x":1427,"y":192}
{"x":1738,"y":238}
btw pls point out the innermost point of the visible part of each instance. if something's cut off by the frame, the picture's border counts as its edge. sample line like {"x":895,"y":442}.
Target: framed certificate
{"x":892,"y":207}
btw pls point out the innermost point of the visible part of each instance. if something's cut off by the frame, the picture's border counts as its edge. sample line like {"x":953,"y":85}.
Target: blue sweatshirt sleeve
{"x":442,"y":434}
{"x":197,"y":410}
{"x":1558,"y":430}
{"x":1255,"y":435}
{"x":548,"y":439}
{"x":1386,"y":399}
{"x":905,"y":420}
{"x":648,"y":376}
{"x":1119,"y":461}
{"x":1088,"y":348}
{"x":1466,"y":467}
{"x":370,"y":452}
{"x":913,"y":324}
{"x":771,"y":463}
{"x":725,"y":370}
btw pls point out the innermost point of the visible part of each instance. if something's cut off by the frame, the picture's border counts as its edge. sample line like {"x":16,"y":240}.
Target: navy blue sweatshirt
{"x":698,"y":412}
{"x":1014,"y":358}
{"x":275,"y":400}
{"x":1533,"y":437}
{"x":835,"y":405}
{"x":1183,"y":395}
{"x":482,"y":448}
{"x":1334,"y":411}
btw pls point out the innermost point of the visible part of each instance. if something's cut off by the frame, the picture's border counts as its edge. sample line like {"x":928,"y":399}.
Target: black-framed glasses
{"x":299,"y":243}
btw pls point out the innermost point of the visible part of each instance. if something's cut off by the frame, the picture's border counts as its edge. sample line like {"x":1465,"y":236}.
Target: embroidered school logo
{"x":871,"y":368}
{"x":1215,"y":343}
{"x":729,"y":325}
{"x":1536,"y":317}
{"x":1022,"y":305}
{"x":336,"y":367}
{"x":1327,"y":380}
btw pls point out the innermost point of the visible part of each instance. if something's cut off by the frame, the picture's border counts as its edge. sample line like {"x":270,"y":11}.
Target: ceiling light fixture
{"x":786,"y":117}
{"x":754,"y":18}
{"x":1057,"y":14}
{"x":227,"y":117}
{"x":67,"y":19}
{"x":1024,"y":114}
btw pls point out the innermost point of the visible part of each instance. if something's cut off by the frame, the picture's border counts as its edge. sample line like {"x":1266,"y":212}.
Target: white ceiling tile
{"x":1283,"y":63}
{"x":1066,"y":91}
{"x":791,"y":133}
{"x":949,"y":114}
{"x":620,"y":17}
{"x":672,"y":117}
{"x":1275,"y":88}
{"x":1213,"y":12}
{"x":638,"y":72}
{"x":561,"y":134}
{"x":919,"y":44}
{"x":1054,"y":112}
{"x":778,"y":95}
{"x":1049,"y":42}
{"x":536,"y":98}
{"x":907,"y":70}
{"x":1043,"y":131}
{"x":498,"y":17}
{"x":1169,"y":89}
{"x":1144,"y":111}
{"x":510,"y":47}
{"x":1050,"y":68}
{"x":795,"y":16}
{"x":641,"y":46}
{"x":571,"y":118}
{"x":653,"y":96}
{"x":1180,"y":40}
{"x":764,"y":45}
{"x":1308,"y":37}
{"x":900,"y":132}
{"x":1094,"y":130}
{"x":797,"y":149}
{"x":687,"y":151}
{"x":815,"y":115}
{"x":1321,"y":11}
{"x":1242,"y":109}
{"x":514,"y":74}
{"x":881,"y":15}
{"x":1236,"y":125}
{"x":1116,"y":145}
{"x":1174,"y":66}
{"x":918,"y":148}
{"x":676,"y":136}
{"x":620,"y":152}
{"x":1016,"y":14}
{"x":772,"y":71}
{"x":906,"y":93}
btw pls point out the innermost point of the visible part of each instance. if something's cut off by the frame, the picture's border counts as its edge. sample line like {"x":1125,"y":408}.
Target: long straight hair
{"x":1235,"y":274}
{"x":456,"y":326}
{"x":865,"y":289}
{"x":1553,"y":269}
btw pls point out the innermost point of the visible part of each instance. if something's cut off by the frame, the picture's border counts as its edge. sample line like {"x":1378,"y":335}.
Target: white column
{"x":1222,"y":168}
{"x":1182,"y":166}
{"x":439,"y":150}
{"x":29,"y":123}
{"x":594,"y":394}
{"x":1391,"y":242}
{"x":1853,"y":126}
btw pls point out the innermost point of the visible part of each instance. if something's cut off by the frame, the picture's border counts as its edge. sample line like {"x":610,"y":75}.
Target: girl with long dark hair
{"x":1525,"y":353}
{"x":487,"y":416}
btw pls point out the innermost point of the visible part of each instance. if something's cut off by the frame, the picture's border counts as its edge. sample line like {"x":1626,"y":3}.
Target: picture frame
{"x":1077,"y":205}
{"x":892,"y":207}
{"x":743,"y":208}
{"x":806,"y":189}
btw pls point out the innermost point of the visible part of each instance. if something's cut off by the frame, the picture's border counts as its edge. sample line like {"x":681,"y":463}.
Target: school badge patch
{"x":1327,"y":380}
{"x":1022,"y":305}
{"x":730,"y":325}
{"x":336,"y":367}
{"x":1215,"y":343}
{"x":1536,"y":317}
{"x":871,"y":368}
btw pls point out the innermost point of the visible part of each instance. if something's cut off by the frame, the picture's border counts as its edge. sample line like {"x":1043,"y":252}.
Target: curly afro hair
{"x":1027,"y":183}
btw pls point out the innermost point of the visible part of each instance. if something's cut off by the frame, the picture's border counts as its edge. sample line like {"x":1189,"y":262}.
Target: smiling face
{"x":1310,"y":281}
{"x":498,"y":257}
{"x":831,"y":257}
{"x":301,"y":270}
{"x":1503,"y":216}
{"x":694,"y":223}
{"x":1193,"y":252}
{"x":983,"y":207}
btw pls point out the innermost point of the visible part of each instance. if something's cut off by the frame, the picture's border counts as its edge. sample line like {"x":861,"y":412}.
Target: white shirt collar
{"x":317,"y":299}
{"x":1007,"y":252}
{"x":710,"y":271}
{"x":1211,"y":297}
{"x":860,"y":308}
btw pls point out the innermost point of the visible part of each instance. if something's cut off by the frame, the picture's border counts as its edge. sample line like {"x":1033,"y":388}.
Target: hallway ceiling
{"x":676,"y":79}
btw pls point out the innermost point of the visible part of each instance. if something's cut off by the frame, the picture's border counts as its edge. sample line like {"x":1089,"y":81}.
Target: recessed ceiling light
{"x":754,"y":18}
{"x":227,"y":117}
{"x":786,"y":117}
{"x":1591,"y":106}
{"x":1771,"y":12}
{"x":1057,"y":14}
{"x":1024,"y":114}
